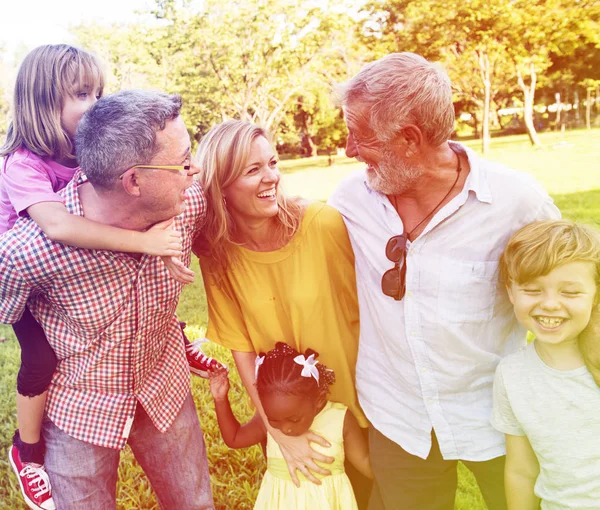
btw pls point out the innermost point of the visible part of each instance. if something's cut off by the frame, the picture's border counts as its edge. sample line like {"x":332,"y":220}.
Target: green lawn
{"x":568,"y":168}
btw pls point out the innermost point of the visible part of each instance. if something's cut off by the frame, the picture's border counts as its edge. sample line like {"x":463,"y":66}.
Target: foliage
{"x":260,"y":61}
{"x":275,"y":62}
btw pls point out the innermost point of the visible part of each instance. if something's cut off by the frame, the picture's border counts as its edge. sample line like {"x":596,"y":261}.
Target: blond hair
{"x":48,"y":74}
{"x":538,"y":248}
{"x":222,"y":155}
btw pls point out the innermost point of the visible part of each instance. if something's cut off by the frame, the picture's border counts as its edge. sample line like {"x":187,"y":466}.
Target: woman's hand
{"x":219,"y":383}
{"x":299,"y":455}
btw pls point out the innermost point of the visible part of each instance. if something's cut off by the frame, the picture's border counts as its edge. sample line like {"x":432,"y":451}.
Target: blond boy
{"x":545,"y":398}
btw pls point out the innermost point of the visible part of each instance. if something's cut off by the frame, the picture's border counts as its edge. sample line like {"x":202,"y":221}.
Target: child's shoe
{"x":199,"y":362}
{"x":33,"y":480}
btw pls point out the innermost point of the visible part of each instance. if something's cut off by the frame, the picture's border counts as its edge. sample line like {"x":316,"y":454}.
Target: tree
{"x":590,"y":86}
{"x":256,"y":57}
{"x":564,"y":26}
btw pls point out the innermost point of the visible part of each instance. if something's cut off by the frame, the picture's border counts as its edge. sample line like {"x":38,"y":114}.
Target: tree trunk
{"x":588,"y":109}
{"x":484,"y":71}
{"x":310,"y":144}
{"x":529,"y":96}
{"x":498,"y":116}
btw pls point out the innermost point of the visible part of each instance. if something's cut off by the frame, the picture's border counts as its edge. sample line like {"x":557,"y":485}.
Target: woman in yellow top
{"x":275,"y":268}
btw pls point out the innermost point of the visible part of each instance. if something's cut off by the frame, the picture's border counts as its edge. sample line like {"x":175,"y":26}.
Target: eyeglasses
{"x":182,"y":170}
{"x":393,"y":281}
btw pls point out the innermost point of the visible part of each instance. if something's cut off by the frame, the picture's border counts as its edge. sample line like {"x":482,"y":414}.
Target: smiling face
{"x":253,"y":195}
{"x":388,"y":171}
{"x":556,"y":307}
{"x":291,"y":414}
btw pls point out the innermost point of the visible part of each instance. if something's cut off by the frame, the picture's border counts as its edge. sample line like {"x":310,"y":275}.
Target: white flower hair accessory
{"x":308,"y":366}
{"x":257,"y":363}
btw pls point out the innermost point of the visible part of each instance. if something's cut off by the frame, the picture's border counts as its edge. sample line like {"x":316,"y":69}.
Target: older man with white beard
{"x":428,"y":220}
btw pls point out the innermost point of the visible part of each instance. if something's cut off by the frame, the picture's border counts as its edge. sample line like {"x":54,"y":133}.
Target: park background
{"x":526,"y":77}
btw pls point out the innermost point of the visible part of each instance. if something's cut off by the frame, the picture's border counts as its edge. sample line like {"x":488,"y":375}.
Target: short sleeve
{"x":333,"y":226}
{"x":548,"y":211}
{"x":226,"y":325}
{"x":503,"y":417}
{"x":27,"y":184}
{"x":340,"y":255}
{"x":14,"y":289}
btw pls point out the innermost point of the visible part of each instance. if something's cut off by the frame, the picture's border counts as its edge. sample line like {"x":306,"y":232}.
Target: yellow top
{"x":278,"y":492}
{"x":303,"y":294}
{"x":329,"y":423}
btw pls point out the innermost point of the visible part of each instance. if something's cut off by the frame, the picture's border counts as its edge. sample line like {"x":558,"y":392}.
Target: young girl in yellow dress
{"x":293,"y":391}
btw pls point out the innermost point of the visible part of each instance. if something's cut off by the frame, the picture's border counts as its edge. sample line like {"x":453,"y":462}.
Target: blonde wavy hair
{"x":47,"y":75}
{"x":537,"y":248}
{"x":222,"y":155}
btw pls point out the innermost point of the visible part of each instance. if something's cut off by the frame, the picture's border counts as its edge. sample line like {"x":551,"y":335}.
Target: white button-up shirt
{"x":428,"y":361}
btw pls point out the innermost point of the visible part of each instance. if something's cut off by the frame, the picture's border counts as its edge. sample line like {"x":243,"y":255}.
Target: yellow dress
{"x":278,"y":492}
{"x":303,"y":294}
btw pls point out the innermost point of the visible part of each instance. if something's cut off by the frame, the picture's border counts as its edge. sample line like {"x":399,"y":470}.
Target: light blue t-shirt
{"x":559,"y":412}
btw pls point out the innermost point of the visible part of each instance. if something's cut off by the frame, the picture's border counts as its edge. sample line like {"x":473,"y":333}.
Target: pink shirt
{"x":27,"y":179}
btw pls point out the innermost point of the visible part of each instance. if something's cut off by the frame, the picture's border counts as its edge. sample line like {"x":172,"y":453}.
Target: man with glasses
{"x":428,"y":220}
{"x":122,"y":375}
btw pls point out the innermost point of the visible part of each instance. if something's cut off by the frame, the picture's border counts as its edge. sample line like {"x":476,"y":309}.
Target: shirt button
{"x":423,"y":369}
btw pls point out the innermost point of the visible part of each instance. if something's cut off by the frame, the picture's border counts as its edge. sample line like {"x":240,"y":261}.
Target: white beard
{"x":393,"y":177}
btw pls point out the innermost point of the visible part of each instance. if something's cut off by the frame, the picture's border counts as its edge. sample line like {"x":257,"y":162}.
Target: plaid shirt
{"x":111,"y":320}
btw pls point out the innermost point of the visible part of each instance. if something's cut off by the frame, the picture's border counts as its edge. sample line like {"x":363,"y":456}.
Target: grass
{"x":567,"y":167}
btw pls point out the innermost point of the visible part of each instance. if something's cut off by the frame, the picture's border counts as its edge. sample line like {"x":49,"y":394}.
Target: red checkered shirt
{"x":111,"y":321}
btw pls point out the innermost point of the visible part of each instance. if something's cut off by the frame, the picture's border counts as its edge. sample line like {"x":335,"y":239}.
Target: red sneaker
{"x":33,"y":480}
{"x":199,"y":362}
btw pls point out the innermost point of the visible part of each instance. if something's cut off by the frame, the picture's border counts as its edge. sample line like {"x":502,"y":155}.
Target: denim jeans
{"x":406,"y":482}
{"x":84,"y":476}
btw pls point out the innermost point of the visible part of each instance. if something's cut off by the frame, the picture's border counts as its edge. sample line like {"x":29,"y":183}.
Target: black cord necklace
{"x":458,"y":170}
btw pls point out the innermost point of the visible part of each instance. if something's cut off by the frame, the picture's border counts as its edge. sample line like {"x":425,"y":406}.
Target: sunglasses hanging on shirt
{"x":393,"y":281}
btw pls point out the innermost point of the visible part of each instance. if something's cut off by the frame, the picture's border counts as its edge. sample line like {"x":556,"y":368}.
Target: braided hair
{"x":279,"y":373}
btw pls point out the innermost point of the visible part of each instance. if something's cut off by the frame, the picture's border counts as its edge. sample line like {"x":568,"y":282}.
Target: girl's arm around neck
{"x":520,"y":473}
{"x":356,"y":447}
{"x":61,"y":226}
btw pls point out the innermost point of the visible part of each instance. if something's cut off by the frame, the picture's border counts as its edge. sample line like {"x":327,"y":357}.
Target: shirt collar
{"x":476,"y":180}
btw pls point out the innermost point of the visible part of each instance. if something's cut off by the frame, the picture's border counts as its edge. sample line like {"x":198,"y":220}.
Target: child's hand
{"x":219,"y":383}
{"x":163,"y":240}
{"x":178,"y":270}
